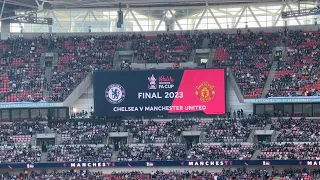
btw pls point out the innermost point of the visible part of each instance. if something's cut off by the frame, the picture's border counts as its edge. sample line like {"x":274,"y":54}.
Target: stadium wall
{"x":85,"y":102}
{"x":233,"y":103}
{"x":5,"y":29}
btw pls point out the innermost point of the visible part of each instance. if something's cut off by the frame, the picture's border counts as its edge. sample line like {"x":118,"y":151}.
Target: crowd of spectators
{"x":159,"y":131}
{"x":231,"y":129}
{"x":220,"y":152}
{"x":81,"y":115}
{"x":23,"y":128}
{"x":296,"y":129}
{"x":21,"y":76}
{"x":14,"y":132}
{"x":19,"y":153}
{"x":230,"y":132}
{"x":79,"y":153}
{"x":151,"y":152}
{"x":24,"y":77}
{"x":84,"y":132}
{"x":225,"y":174}
{"x":166,"y":47}
{"x":160,"y":175}
{"x":248,"y":55}
{"x":78,"y":56}
{"x":264,"y":174}
{"x":224,"y":138}
{"x":56,"y":175}
{"x":286,"y":151}
{"x":297,"y":74}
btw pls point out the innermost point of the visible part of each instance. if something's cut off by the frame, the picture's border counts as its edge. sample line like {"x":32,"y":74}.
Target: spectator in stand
{"x":226,"y":174}
{"x":304,"y":174}
{"x":239,"y":174}
{"x":23,"y":128}
{"x":232,"y":130}
{"x":160,"y":175}
{"x":66,"y":175}
{"x":80,"y":115}
{"x":84,"y":132}
{"x":176,"y":66}
{"x":80,"y":153}
{"x":286,"y":151}
{"x":202,"y":152}
{"x":125,"y":65}
{"x":166,"y":47}
{"x":152,"y":153}
{"x":297,"y":130}
{"x":9,"y":131}
{"x":19,"y":153}
{"x":158,"y":131}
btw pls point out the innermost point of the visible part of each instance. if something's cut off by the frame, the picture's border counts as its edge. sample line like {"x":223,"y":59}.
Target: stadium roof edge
{"x":12,"y":5}
{"x":75,"y":4}
{"x":162,"y":7}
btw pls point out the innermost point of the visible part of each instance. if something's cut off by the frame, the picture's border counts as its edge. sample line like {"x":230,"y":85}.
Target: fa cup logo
{"x":152,"y":82}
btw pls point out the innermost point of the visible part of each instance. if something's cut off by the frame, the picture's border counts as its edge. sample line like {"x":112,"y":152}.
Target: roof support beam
{"x":241,"y":10}
{"x":40,"y":6}
{"x":47,"y":16}
{"x":4,"y":2}
{"x":260,"y":9}
{"x":125,"y":14}
{"x":174,"y":18}
{"x":80,"y":15}
{"x":97,"y":22}
{"x":162,"y":19}
{"x":221,"y":11}
{"x":134,"y":17}
{"x":215,"y":19}
{"x":254,"y":16}
{"x":200,"y":19}
{"x":57,"y":21}
{"x":279,"y":14}
{"x":240,"y":16}
{"x":294,"y":17}
{"x":82,"y":23}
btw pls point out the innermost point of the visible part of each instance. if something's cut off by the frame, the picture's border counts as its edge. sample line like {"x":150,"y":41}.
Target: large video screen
{"x":159,"y":92}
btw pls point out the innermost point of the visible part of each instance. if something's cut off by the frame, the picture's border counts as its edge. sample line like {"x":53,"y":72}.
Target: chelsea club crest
{"x":115,"y":93}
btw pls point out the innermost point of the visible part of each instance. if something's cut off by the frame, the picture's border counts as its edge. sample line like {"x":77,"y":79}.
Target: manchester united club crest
{"x":205,"y":92}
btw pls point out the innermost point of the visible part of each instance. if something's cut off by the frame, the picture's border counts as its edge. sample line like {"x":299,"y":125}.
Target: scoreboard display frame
{"x":159,"y":92}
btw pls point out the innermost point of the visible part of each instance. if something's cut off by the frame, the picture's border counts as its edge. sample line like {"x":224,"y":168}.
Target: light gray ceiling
{"x":145,"y":3}
{"x":12,"y":5}
{"x":67,"y":4}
